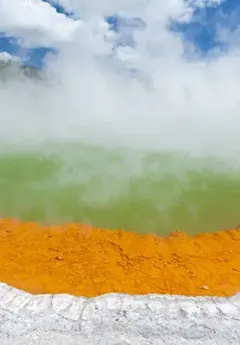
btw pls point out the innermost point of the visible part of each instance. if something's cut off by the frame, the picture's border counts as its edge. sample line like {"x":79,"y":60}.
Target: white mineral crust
{"x":116,"y":319}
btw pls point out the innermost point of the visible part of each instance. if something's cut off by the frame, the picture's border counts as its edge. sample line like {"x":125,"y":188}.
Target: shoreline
{"x":87,"y":261}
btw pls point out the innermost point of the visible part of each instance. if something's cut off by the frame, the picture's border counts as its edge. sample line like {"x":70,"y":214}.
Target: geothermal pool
{"x":118,"y":188}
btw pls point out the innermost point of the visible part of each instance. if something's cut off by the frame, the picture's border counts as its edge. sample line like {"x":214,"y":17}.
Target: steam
{"x":173,"y":102}
{"x":153,"y":94}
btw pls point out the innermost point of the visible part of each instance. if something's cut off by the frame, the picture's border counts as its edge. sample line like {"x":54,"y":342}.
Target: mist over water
{"x":145,"y":139}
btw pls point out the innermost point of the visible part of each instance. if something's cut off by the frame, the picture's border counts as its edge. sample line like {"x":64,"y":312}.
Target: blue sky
{"x":201,"y":31}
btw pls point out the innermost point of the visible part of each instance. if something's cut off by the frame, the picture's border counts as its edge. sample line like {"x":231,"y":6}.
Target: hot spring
{"x":118,"y":188}
{"x":140,"y":136}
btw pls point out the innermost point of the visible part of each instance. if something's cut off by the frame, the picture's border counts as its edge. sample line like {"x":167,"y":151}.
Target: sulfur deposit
{"x":87,"y":261}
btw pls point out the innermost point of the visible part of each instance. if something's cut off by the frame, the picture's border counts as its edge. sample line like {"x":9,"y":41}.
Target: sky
{"x":201,"y":30}
{"x":162,"y":75}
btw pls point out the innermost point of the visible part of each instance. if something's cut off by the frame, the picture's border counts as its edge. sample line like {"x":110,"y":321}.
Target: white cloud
{"x":205,"y":3}
{"x":34,"y":21}
{"x":176,"y":104}
{"x":4,"y":56}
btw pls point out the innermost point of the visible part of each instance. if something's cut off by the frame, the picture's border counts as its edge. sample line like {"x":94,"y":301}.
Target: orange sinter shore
{"x":87,"y":261}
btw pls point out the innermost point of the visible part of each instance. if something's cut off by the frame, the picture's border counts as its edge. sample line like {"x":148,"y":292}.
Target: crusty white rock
{"x":115,"y":319}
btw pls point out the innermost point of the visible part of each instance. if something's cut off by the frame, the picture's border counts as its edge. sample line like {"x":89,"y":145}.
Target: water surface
{"x":144,"y":192}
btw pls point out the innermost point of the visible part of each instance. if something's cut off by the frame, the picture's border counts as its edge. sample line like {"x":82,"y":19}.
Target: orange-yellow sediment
{"x":88,"y":261}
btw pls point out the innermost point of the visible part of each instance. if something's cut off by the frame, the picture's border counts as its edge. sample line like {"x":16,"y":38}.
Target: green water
{"x":144,"y":192}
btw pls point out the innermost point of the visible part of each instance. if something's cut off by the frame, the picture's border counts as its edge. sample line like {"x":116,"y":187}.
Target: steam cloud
{"x":174,"y":101}
{"x":142,"y":87}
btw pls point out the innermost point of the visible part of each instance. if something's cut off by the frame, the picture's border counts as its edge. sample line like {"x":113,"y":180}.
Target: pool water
{"x":115,"y":188}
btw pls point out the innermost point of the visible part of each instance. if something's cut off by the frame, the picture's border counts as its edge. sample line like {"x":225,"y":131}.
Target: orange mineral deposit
{"x":88,"y":261}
